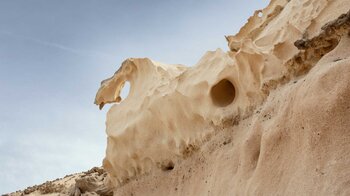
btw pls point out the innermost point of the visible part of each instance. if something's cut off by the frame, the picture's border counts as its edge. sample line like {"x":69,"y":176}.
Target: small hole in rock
{"x":125,"y":90}
{"x":168,"y":166}
{"x":338,"y":59}
{"x":223,"y":93}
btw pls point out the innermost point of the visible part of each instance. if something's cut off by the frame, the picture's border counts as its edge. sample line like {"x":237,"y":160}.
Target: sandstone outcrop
{"x":271,"y":116}
{"x":173,"y":110}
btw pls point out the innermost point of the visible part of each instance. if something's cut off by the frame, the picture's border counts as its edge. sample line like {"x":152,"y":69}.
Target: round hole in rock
{"x":223,"y":93}
{"x":125,"y":90}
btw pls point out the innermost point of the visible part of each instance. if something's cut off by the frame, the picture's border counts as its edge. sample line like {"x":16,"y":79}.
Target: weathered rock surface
{"x":173,"y":110}
{"x":269,"y":117}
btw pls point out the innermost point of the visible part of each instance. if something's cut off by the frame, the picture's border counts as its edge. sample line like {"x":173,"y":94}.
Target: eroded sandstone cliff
{"x":269,"y":117}
{"x":172,"y":111}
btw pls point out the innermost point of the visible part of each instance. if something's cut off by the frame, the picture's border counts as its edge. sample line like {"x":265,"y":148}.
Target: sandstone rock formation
{"x":86,"y":183}
{"x":269,"y":117}
{"x":173,"y":110}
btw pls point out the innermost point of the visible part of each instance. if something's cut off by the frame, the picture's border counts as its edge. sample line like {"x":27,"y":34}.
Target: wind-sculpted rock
{"x":172,"y":110}
{"x":271,"y":116}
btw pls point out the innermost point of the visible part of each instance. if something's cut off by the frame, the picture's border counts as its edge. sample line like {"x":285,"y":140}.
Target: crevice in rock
{"x":312,"y":50}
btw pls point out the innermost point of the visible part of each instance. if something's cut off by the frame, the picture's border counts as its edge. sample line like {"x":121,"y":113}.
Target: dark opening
{"x":223,"y":93}
{"x":168,"y":166}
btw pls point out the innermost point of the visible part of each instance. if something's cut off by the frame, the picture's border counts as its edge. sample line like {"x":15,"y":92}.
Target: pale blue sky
{"x":53,"y":55}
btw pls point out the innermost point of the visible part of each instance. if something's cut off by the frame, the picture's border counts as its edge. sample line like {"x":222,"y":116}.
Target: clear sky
{"x":53,"y":55}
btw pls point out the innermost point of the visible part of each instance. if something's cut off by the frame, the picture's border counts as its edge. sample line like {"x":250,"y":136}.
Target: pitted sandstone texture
{"x":172,"y":110}
{"x":268,"y":117}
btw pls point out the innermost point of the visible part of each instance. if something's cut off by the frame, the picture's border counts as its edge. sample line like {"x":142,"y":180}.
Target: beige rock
{"x":269,"y":117}
{"x":296,"y":143}
{"x":173,"y":110}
